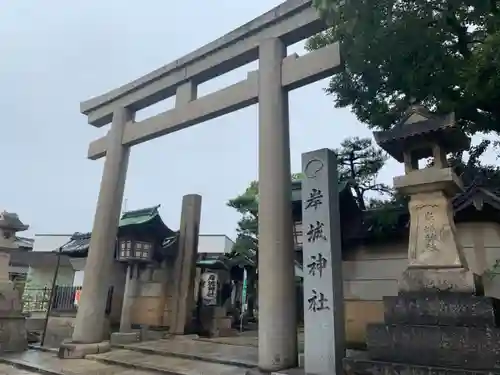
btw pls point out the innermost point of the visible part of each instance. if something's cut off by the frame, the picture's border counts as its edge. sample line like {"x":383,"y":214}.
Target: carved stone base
{"x":13,"y":335}
{"x":475,"y":348}
{"x":441,"y":309}
{"x":438,"y":279}
{"x":433,"y":332}
{"x":363,"y":366}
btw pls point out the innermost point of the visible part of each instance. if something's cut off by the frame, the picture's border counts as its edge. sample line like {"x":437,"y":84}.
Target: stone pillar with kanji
{"x":440,"y":321}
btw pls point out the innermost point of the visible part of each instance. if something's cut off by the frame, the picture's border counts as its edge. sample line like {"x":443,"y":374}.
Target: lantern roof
{"x":418,"y":131}
{"x":10,"y":220}
{"x":134,"y":223}
{"x":140,"y":216}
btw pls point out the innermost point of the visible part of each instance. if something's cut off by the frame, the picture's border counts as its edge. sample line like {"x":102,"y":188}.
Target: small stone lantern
{"x":134,"y":253}
{"x":436,"y":259}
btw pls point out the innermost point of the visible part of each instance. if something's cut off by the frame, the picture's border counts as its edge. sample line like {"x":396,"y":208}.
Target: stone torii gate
{"x":264,"y":39}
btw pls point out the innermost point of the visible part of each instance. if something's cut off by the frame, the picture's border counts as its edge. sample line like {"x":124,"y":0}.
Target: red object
{"x":77,"y":296}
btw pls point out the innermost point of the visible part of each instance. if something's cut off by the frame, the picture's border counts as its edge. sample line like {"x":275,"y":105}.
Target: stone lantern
{"x":133,"y":252}
{"x":439,"y":322}
{"x":436,"y":259}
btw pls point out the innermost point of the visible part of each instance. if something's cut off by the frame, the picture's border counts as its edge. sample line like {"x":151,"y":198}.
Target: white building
{"x":207,"y":244}
{"x":214,"y":244}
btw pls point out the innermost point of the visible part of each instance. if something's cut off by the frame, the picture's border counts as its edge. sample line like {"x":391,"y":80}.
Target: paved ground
{"x":167,"y":364}
{"x":34,"y":362}
{"x":175,"y":356}
{"x":209,"y":351}
{"x":249,"y":338}
{"x":11,"y":370}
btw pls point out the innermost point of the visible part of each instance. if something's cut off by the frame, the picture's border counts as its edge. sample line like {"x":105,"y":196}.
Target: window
{"x":135,"y":250}
{"x":125,"y":249}
{"x":297,"y":234}
{"x":142,"y":250}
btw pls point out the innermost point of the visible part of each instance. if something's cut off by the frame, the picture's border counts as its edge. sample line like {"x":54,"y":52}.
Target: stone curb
{"x":184,"y":356}
{"x":203,"y":339}
{"x":23,"y":365}
{"x":133,"y":366}
{"x":43,"y":349}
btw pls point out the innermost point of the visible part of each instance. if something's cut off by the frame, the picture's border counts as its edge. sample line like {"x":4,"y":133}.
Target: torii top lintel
{"x":292,"y":21}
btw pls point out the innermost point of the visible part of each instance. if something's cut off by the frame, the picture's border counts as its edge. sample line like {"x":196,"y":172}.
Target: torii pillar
{"x":89,"y":326}
{"x":277,"y":299}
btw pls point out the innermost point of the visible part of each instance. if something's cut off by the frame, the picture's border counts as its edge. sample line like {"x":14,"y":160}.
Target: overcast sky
{"x":55,"y":54}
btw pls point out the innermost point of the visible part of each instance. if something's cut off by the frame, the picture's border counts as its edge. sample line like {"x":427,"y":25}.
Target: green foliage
{"x":472,"y":169}
{"x":247,"y":204}
{"x":493,"y":272}
{"x":360,"y":162}
{"x":444,"y":54}
{"x":384,"y":217}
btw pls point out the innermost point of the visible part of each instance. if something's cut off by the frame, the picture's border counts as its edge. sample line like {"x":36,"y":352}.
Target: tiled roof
{"x":24,"y":242}
{"x":79,"y":243}
{"x":476,"y":195}
{"x":11,"y":220}
{"x":139,"y":216}
{"x":441,"y":129}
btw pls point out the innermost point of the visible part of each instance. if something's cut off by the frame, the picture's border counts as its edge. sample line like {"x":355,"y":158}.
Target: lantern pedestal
{"x":435,"y":257}
{"x":133,"y":252}
{"x":426,"y":333}
{"x":13,"y":336}
{"x":215,"y":322}
{"x":131,"y":286}
{"x":440,"y":279}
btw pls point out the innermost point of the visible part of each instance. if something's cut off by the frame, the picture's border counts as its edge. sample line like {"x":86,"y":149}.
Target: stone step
{"x":360,"y":366}
{"x":164,"y":364}
{"x":233,"y":355}
{"x":11,"y":370}
{"x":467,"y":347}
{"x":451,"y":309}
{"x":47,"y":363}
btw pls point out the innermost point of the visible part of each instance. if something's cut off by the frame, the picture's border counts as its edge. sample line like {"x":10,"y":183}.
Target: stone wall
{"x":149,"y":304}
